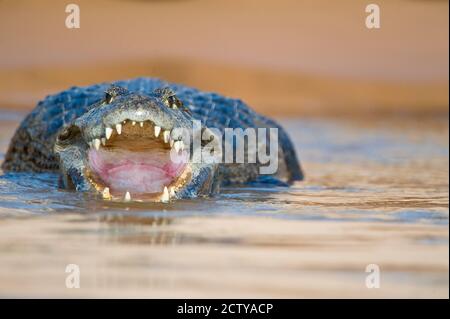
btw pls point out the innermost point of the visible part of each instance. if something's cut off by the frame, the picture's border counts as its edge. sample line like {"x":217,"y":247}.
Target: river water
{"x":376,"y":196}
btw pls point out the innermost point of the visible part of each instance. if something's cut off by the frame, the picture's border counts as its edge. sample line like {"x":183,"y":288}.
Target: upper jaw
{"x":164,"y":133}
{"x":101,"y":128}
{"x":98,"y":125}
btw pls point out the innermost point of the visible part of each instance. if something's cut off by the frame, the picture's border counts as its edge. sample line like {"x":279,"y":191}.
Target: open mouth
{"x":138,"y":161}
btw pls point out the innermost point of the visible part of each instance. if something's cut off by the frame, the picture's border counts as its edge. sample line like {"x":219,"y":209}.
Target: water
{"x":376,"y":193}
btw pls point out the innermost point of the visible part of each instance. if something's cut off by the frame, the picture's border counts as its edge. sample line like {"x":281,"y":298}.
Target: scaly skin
{"x":32,"y":147}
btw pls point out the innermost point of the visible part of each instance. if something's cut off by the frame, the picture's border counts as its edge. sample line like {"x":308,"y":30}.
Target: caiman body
{"x":83,"y":133}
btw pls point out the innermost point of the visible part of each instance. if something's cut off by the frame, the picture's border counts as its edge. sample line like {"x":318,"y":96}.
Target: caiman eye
{"x":108,"y":98}
{"x":169,"y":98}
{"x":176,"y":104}
{"x":173,"y":102}
{"x":113,"y":92}
{"x":64,"y":135}
{"x":68,"y":133}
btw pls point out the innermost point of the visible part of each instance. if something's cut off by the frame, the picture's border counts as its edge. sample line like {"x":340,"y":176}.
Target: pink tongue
{"x":136,"y":172}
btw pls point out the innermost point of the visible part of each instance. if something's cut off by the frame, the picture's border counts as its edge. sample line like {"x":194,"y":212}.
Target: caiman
{"x":118,"y":140}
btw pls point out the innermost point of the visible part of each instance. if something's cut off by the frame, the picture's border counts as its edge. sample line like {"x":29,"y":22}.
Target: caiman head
{"x":131,"y":146}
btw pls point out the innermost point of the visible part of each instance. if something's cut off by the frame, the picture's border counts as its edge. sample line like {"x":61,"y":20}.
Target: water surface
{"x":376,"y":192}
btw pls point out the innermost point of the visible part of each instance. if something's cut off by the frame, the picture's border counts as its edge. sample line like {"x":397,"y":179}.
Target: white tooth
{"x":182,"y":145}
{"x":124,"y":121}
{"x":97,"y":144}
{"x":133,"y":123}
{"x":165,"y":196}
{"x":141,"y":124}
{"x":127,"y":197}
{"x":119,"y":128}
{"x":172,"y":191}
{"x":106,"y":193}
{"x":174,"y":106}
{"x":171,"y":143}
{"x":108,"y":132}
{"x":103,"y":141}
{"x":166,"y":135}
{"x":91,"y":144}
{"x":157,"y":131}
{"x":177,"y":146}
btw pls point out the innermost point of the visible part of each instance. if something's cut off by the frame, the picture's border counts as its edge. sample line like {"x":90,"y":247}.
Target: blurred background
{"x":288,"y":57}
{"x":367,"y":110}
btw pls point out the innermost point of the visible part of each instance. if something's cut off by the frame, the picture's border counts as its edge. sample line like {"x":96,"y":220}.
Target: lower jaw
{"x":168,"y":192}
